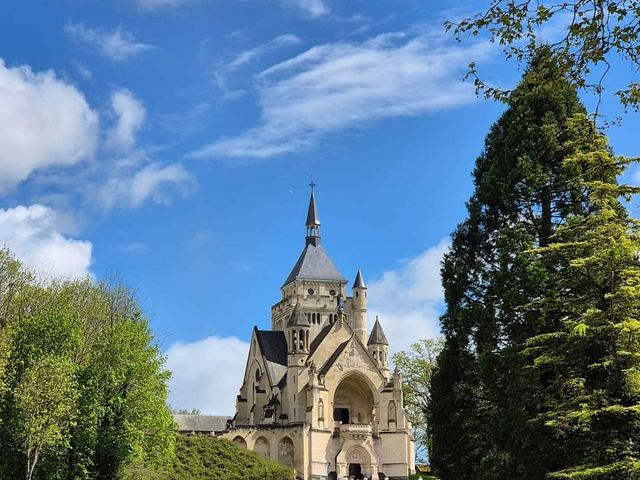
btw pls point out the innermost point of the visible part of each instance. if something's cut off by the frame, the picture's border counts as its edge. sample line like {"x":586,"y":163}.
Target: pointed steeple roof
{"x":377,"y":336}
{"x":312,"y":213}
{"x":359,"y":283}
{"x":298,"y":318}
{"x":314,"y":263}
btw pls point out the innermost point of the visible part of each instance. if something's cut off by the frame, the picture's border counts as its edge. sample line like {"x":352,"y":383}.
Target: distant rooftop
{"x":201,"y":423}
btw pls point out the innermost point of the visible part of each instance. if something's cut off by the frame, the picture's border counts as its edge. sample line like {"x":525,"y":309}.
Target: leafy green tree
{"x":484,"y":395}
{"x":416,"y":366}
{"x":591,"y":362}
{"x":119,"y":380}
{"x":592,"y":35}
{"x":46,"y":403}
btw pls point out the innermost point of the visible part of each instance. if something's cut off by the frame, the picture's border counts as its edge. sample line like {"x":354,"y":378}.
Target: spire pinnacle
{"x":313,"y":222}
{"x":359,"y":283}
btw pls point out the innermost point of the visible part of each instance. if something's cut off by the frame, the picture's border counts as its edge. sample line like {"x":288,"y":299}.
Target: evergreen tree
{"x":484,"y":396}
{"x":590,"y":365}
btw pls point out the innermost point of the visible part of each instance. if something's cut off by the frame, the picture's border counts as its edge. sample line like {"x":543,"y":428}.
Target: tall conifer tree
{"x":485,"y":396}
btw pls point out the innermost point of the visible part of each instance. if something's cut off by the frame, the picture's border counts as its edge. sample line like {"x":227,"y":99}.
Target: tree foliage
{"x":83,"y":387}
{"x":202,"y":458}
{"x":416,"y":366}
{"x":492,"y":407}
{"x":593,"y":34}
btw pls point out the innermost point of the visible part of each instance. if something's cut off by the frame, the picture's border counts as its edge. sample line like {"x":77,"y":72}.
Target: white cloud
{"x":252,"y":54}
{"x":43,"y":122}
{"x":131,"y":188}
{"x":117,"y":45}
{"x":313,"y":8}
{"x":131,"y":114}
{"x":207,"y":374}
{"x":340,"y":86}
{"x":31,"y":233}
{"x":409,"y":299}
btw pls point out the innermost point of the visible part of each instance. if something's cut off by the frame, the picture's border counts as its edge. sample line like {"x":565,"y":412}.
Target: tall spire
{"x":313,"y":222}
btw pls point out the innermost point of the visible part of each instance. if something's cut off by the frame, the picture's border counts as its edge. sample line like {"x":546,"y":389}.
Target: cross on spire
{"x":312,"y":184}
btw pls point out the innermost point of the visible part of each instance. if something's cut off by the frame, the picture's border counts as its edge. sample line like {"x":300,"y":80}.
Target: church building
{"x":317,"y":393}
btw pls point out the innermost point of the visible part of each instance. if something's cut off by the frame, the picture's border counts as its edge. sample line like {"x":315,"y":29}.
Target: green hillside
{"x":204,"y":458}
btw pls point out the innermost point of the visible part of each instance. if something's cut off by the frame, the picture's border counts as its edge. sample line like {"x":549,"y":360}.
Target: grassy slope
{"x":207,"y":458}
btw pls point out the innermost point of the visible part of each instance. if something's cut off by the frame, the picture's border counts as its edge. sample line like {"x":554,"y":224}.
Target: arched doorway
{"x":353,"y":401}
{"x":241,"y":442}
{"x":261,"y":447}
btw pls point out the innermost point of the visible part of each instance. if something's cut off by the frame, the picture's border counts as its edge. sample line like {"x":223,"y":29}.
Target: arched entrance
{"x":356,"y":462}
{"x":353,"y":401}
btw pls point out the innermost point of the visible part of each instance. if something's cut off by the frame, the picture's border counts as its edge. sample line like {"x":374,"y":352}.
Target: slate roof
{"x":201,"y":423}
{"x":377,"y":336}
{"x":298,"y":319}
{"x":312,"y":213}
{"x":273,"y":345}
{"x":359,"y":283}
{"x":314,"y":264}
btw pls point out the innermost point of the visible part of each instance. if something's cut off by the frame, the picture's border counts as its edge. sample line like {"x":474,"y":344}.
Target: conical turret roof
{"x":298,"y":318}
{"x":359,"y":283}
{"x":377,"y":336}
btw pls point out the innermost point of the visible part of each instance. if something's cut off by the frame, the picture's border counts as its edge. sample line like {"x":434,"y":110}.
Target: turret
{"x":378,"y":346}
{"x":298,"y":336}
{"x":359,"y":307}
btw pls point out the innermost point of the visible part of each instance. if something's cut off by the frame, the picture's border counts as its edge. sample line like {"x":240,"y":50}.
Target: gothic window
{"x":261,"y":447}
{"x":285,"y":450}
{"x":294,"y":340}
{"x":321,"y":411}
{"x":258,"y":374}
{"x":301,"y":339}
{"x":375,"y":355}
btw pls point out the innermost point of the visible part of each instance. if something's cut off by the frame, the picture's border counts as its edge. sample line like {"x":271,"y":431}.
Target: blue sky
{"x":171,"y":142}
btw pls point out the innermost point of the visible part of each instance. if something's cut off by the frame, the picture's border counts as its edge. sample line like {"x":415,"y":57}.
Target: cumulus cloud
{"x":409,"y":299}
{"x":44,"y":121}
{"x":31,"y":233}
{"x":130,"y":114}
{"x":339,"y":86}
{"x":130,"y":188}
{"x":117,"y":45}
{"x":254,"y":53}
{"x":207,"y":374}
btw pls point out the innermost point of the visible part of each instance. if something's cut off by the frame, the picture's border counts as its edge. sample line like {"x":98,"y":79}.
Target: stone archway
{"x":285,"y":451}
{"x":241,"y":442}
{"x":354,"y":400}
{"x":357,"y":460}
{"x":262,"y":447}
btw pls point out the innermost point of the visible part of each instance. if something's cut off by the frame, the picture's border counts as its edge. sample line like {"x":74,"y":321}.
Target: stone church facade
{"x":317,"y":392}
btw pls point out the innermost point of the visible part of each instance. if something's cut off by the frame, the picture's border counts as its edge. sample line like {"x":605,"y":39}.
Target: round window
{"x":332,"y":292}
{"x":311,"y":291}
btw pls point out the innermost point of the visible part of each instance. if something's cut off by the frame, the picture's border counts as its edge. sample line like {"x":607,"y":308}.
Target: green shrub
{"x":204,"y":458}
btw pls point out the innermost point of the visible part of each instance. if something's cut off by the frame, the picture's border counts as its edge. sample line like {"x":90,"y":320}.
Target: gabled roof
{"x":315,"y":343}
{"x":314,"y":264}
{"x":201,"y":423}
{"x":273,"y":345}
{"x":377,"y":336}
{"x":334,"y":356}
